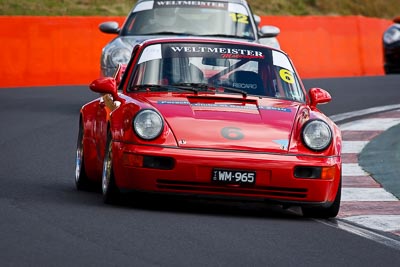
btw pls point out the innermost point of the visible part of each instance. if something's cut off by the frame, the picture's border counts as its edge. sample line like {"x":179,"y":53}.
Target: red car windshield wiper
{"x":227,"y":36}
{"x":195,"y":87}
{"x":148,"y":87}
{"x":235,"y":90}
{"x":157,"y":87}
{"x":203,"y":86}
{"x":167,"y":33}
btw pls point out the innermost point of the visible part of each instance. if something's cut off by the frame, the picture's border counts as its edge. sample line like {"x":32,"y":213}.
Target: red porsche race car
{"x":211,"y":117}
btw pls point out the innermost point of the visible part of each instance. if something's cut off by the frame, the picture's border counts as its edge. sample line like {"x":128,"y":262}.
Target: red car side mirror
{"x":319,"y":96}
{"x":104,"y":85}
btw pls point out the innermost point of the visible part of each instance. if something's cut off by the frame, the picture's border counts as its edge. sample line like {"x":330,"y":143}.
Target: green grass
{"x":370,"y":8}
{"x":65,"y":7}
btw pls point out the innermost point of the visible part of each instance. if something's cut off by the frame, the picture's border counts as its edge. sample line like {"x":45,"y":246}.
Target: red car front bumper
{"x":175,"y":170}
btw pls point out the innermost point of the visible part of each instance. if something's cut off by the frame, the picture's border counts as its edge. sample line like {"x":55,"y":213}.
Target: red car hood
{"x":233,"y":123}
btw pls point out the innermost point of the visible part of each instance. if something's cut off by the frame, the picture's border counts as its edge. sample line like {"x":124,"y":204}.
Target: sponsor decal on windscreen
{"x":231,"y":7}
{"x":160,"y":4}
{"x":211,"y":51}
{"x":184,"y":50}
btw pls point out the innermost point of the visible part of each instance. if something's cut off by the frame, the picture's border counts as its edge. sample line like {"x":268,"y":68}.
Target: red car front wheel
{"x":82,"y":181}
{"x":325,"y":212}
{"x":110,"y":190}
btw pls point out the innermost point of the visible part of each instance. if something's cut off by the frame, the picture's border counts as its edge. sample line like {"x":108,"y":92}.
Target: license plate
{"x":233,"y":176}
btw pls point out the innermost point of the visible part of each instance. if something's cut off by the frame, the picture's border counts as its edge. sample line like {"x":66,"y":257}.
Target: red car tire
{"x":82,"y":182}
{"x":111,"y":193}
{"x":325,"y":212}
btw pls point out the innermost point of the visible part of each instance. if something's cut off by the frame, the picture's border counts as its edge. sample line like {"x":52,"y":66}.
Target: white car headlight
{"x":317,"y":135}
{"x":392,"y":35}
{"x":120,"y":56}
{"x":148,"y":124}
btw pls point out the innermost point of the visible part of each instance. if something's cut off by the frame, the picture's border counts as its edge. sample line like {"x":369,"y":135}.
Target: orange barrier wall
{"x":332,"y":46}
{"x":41,"y":51}
{"x":51,"y":50}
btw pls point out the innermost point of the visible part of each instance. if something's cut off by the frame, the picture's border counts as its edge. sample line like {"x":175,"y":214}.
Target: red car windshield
{"x":221,"y":67}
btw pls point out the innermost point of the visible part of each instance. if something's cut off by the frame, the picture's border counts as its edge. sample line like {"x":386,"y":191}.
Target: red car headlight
{"x":316,"y":135}
{"x":148,"y":124}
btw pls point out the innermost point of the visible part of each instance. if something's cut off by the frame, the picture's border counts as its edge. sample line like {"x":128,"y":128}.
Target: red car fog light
{"x":132,"y":160}
{"x":310,"y":172}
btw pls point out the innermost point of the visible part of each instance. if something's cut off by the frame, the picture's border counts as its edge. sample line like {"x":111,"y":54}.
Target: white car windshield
{"x":215,"y":19}
{"x":223,"y":68}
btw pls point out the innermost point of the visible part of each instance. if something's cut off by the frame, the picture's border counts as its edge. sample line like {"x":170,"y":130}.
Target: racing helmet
{"x":165,"y":16}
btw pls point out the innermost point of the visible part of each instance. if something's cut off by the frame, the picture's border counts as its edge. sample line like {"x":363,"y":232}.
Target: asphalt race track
{"x":45,"y":221}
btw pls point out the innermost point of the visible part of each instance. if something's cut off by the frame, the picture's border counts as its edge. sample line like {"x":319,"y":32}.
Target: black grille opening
{"x":163,"y":163}
{"x":307,"y":172}
{"x":261,"y":191}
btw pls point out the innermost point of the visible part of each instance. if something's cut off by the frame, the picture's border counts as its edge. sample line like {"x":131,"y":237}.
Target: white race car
{"x":157,"y":18}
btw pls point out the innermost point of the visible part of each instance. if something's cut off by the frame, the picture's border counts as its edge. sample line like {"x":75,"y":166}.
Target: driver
{"x":164,"y":19}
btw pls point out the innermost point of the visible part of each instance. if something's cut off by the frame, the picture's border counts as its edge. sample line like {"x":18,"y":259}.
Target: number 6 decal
{"x":232,"y":133}
{"x":286,"y":76}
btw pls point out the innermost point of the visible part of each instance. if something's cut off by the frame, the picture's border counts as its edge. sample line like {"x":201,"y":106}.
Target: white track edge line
{"x":369,"y":234}
{"x":348,"y":115}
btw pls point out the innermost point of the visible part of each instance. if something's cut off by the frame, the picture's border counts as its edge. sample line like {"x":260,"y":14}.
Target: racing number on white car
{"x":240,"y":18}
